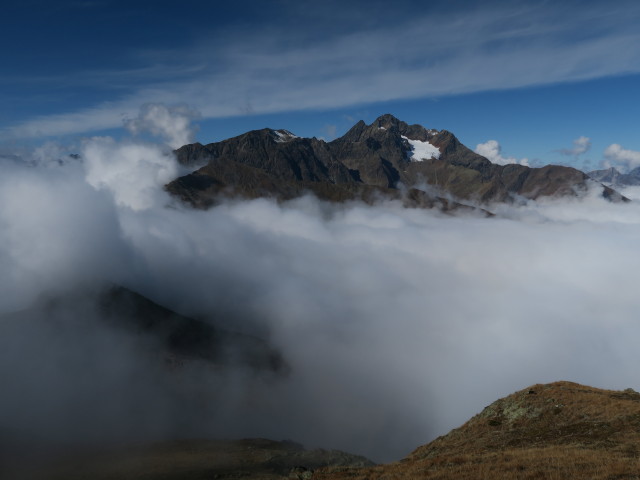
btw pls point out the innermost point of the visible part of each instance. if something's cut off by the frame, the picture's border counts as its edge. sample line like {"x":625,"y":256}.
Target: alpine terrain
{"x":387,"y":159}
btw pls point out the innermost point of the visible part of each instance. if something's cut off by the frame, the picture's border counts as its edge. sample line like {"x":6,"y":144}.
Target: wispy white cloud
{"x":173,"y":124}
{"x":104,"y":116}
{"x":580,"y":145}
{"x":434,"y":54}
{"x":493,"y":151}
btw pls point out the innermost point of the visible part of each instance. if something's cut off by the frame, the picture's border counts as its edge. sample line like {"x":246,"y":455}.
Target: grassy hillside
{"x":557,"y":431}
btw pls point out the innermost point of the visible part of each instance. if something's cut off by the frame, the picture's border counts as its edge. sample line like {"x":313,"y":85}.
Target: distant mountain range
{"x":613,"y":177}
{"x":387,"y":159}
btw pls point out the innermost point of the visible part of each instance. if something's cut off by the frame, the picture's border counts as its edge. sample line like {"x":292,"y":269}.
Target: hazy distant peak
{"x":614,"y":177}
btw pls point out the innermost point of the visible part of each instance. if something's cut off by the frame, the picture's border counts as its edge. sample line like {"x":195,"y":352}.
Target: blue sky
{"x":532,"y":75}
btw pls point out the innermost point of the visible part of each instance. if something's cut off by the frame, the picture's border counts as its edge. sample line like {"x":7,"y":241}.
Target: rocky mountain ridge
{"x":387,"y":159}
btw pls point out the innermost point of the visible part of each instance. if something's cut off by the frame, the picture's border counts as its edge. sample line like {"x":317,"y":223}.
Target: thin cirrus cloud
{"x":434,"y":54}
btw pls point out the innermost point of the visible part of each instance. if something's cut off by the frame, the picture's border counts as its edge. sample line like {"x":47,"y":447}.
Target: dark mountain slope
{"x":388,"y":159}
{"x":173,"y":337}
{"x":467,"y":175}
{"x":277,"y":152}
{"x":104,"y":366}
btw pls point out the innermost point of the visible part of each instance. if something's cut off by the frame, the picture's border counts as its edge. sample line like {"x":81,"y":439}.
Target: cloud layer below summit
{"x":399,"y":324}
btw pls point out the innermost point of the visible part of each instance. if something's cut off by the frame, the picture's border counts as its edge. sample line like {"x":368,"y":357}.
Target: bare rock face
{"x":387,"y":159}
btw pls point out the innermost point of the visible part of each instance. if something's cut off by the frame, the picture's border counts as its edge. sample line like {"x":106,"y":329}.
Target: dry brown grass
{"x":558,"y":431}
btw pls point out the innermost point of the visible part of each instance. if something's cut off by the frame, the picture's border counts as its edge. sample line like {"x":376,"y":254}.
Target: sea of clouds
{"x":398,"y":324}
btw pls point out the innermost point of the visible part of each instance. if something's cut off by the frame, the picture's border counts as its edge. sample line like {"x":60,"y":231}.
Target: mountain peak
{"x":390,"y":126}
{"x":614,"y":177}
{"x":388,"y":121}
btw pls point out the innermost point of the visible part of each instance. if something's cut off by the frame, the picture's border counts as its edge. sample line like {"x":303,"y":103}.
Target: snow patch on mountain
{"x":421,"y":150}
{"x":284,"y":136}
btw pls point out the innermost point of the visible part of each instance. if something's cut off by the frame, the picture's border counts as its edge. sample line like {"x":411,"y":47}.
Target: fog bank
{"x":398,"y":324}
